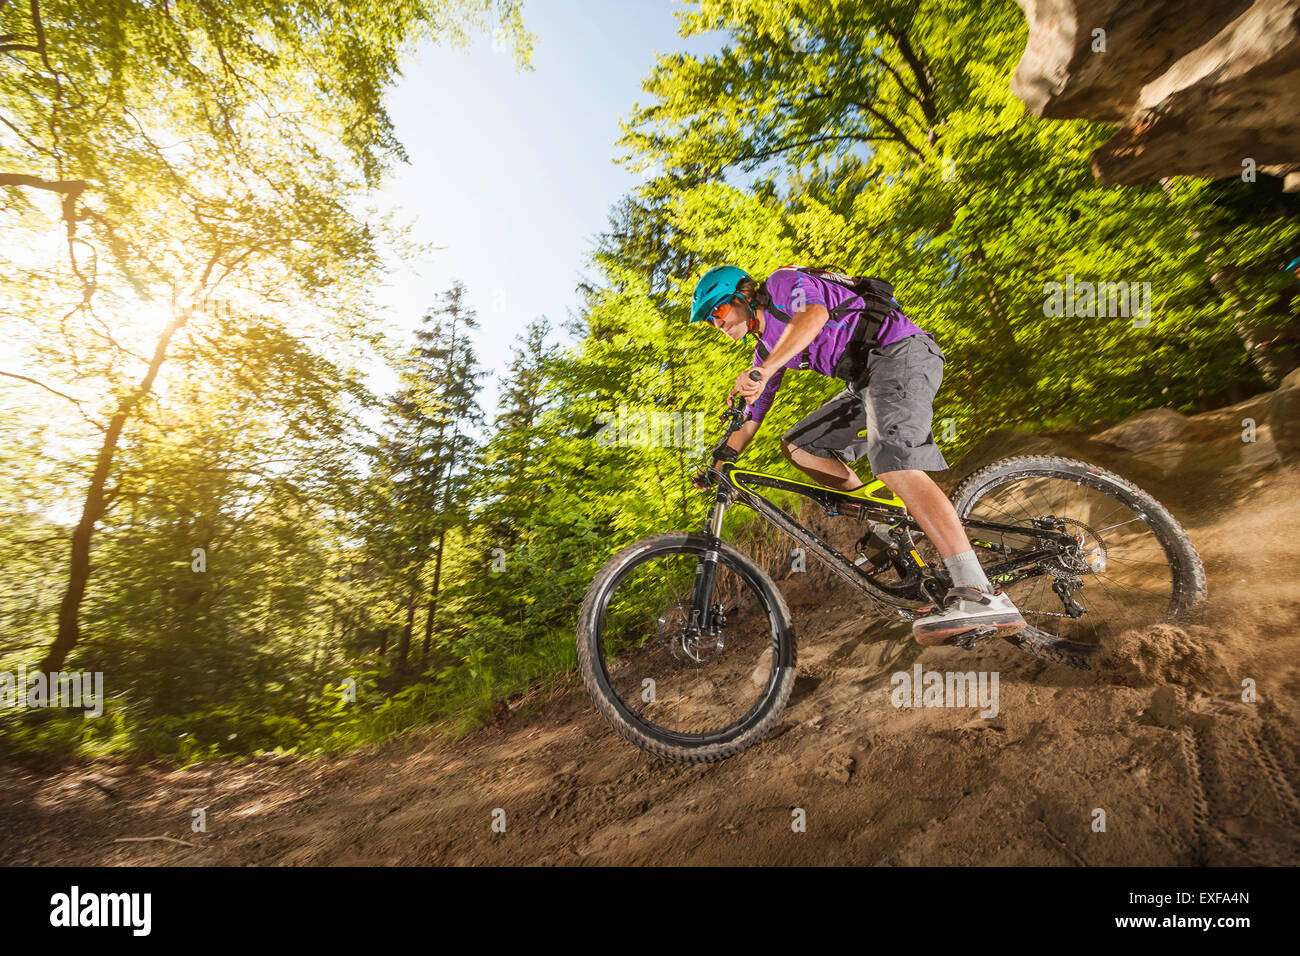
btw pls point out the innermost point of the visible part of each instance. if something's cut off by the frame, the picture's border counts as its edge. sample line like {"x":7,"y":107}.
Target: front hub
{"x":687,"y":642}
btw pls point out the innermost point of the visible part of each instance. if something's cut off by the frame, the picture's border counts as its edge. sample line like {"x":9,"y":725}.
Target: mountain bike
{"x":687,"y":647}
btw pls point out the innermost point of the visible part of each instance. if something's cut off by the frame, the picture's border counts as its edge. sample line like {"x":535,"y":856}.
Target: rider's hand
{"x":704,"y":479}
{"x":747,"y":388}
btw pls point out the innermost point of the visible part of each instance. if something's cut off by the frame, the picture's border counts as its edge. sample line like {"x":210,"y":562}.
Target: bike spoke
{"x":1119,"y":610}
{"x":1129,"y":564}
{"x":1118,"y":525}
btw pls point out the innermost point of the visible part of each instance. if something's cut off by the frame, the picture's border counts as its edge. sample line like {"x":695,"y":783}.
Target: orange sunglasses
{"x":720,"y":310}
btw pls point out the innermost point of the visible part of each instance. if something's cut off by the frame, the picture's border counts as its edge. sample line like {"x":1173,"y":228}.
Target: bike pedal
{"x":969,"y":639}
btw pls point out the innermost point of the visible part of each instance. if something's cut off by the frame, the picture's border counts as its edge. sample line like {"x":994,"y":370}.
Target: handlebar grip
{"x":755,"y":375}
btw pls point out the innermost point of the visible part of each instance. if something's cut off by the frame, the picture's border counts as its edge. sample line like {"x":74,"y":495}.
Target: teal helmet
{"x":715,"y":287}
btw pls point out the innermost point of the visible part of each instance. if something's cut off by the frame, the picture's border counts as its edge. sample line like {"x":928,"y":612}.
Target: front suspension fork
{"x":706,"y":570}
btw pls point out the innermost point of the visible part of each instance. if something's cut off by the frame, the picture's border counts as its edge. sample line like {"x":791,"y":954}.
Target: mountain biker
{"x":891,"y":383}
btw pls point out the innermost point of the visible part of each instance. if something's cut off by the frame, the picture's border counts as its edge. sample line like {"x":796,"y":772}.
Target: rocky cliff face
{"x":1198,"y":87}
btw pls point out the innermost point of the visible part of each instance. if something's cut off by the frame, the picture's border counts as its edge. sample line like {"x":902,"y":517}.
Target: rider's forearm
{"x":803,"y":328}
{"x":740,"y":438}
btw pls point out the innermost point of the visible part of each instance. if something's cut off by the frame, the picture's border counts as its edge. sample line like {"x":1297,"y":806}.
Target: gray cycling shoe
{"x":967,"y":609}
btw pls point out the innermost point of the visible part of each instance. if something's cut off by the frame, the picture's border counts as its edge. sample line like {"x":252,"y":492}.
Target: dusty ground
{"x":1157,"y":737}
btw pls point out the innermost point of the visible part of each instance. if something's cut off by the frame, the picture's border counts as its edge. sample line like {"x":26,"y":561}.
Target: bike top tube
{"x":875,"y":492}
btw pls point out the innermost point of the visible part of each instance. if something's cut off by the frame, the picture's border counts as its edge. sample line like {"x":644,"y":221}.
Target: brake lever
{"x":737,"y":415}
{"x":738,"y":402}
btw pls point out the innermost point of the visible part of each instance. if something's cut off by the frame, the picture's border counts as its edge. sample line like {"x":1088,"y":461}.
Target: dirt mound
{"x":1284,"y":418}
{"x":1146,"y":429}
{"x":1165,"y":654}
{"x":1158,"y":739}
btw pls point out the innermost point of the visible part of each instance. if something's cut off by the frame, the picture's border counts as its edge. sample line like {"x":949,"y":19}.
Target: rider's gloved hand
{"x":705,"y":479}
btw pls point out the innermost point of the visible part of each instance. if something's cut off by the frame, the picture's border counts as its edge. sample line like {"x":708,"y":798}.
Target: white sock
{"x":966,"y":571}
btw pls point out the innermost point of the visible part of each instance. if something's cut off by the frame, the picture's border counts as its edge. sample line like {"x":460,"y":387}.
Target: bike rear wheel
{"x":1135,"y":565}
{"x":676,"y":686}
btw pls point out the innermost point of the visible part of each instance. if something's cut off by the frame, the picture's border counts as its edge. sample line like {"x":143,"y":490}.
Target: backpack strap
{"x":873,"y":297}
{"x":878,"y":301}
{"x":870,"y":320}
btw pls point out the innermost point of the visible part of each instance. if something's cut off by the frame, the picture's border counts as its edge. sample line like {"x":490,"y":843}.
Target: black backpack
{"x":874,"y":298}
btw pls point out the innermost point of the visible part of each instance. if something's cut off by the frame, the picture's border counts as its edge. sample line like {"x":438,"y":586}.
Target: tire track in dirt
{"x":1268,"y":742}
{"x":1245,"y":794}
{"x":1191,"y":749}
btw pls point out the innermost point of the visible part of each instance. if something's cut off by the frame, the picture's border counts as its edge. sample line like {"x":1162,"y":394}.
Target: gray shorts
{"x":889,"y":418}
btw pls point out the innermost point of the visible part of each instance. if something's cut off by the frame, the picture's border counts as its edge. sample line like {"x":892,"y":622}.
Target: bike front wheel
{"x":688,"y":672}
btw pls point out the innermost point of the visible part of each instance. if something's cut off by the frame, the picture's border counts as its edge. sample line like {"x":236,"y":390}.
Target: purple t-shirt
{"x":792,"y":292}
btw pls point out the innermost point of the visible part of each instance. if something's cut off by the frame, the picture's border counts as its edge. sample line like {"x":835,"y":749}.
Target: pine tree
{"x":425,"y":457}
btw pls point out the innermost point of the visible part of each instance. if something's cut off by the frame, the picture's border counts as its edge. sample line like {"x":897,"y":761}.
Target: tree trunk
{"x":1001,"y":324}
{"x":1271,"y":336}
{"x":95,"y":504}
{"x":925,"y":82}
{"x":404,"y":643}
{"x":433,"y":598}
{"x":1273,"y":349}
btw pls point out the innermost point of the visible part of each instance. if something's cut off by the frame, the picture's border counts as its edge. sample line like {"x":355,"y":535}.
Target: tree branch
{"x":53,"y":391}
{"x":889,"y":125}
{"x":897,"y":78}
{"x":70,"y":188}
{"x":813,"y":142}
{"x":40,"y":39}
{"x":25,"y":139}
{"x":921,"y":73}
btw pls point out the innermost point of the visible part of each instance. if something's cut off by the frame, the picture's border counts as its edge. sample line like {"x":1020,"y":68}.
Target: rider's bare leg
{"x":828,"y":472}
{"x":973,"y":602}
{"x":931,"y":509}
{"x":923,"y":498}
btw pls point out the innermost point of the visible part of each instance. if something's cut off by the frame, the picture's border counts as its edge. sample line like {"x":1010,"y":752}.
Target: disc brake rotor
{"x":685,"y":642}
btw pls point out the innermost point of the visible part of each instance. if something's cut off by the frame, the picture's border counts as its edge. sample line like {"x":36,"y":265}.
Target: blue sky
{"x":512,"y":173}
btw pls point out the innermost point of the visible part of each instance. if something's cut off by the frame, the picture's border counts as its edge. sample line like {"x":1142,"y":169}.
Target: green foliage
{"x":879,"y":135}
{"x":185,"y":289}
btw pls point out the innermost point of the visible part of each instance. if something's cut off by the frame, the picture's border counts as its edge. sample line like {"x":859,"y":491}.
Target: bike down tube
{"x":824,"y":552}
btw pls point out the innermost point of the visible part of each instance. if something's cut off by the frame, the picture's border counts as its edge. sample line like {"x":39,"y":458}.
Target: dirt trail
{"x":1157,"y":737}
